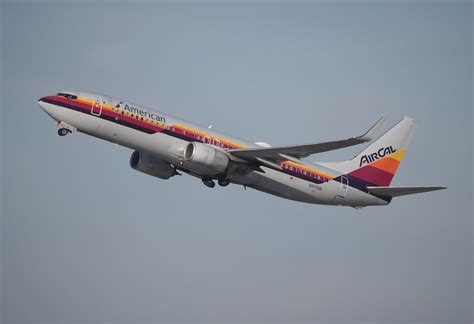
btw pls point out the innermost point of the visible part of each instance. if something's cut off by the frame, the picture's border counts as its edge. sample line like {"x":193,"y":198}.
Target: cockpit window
{"x":67,"y":95}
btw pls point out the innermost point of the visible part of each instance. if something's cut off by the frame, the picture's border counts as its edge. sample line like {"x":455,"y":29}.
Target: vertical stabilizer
{"x":377,"y":164}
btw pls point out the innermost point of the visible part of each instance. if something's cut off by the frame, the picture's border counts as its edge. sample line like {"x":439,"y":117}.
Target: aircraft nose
{"x":41,"y":103}
{"x":44,"y":105}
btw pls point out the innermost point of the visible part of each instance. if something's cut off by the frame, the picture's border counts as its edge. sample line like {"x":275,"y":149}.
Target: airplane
{"x":165,"y":146}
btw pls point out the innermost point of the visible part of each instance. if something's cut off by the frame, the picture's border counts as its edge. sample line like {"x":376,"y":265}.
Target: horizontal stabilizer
{"x":400,"y":191}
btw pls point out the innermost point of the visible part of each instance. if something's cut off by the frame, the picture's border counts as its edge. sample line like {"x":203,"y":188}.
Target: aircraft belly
{"x":358,"y":198}
{"x":355,"y":198}
{"x":285,"y":186}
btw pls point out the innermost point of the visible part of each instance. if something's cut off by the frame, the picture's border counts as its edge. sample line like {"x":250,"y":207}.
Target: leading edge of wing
{"x":300,"y":151}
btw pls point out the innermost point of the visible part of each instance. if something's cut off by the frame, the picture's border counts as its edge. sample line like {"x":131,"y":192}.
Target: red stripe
{"x":373,"y":175}
{"x":106,"y":112}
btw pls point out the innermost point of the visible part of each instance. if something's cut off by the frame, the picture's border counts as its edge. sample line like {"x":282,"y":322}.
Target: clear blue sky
{"x":87,"y":239}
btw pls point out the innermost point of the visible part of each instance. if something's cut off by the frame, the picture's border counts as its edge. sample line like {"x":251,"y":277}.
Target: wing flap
{"x":301,"y":151}
{"x":391,"y":192}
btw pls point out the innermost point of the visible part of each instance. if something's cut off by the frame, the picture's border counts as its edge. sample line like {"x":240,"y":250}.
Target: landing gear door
{"x":96,"y":106}
{"x":343,"y":187}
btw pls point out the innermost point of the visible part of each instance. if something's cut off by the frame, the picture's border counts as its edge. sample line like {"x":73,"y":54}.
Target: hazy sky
{"x":87,"y":239}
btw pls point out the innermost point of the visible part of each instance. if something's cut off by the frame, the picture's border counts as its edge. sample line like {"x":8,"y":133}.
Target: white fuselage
{"x":106,"y":119}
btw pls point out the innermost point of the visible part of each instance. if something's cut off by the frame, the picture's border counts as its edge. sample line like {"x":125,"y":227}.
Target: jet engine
{"x":151,"y":165}
{"x":206,"y":157}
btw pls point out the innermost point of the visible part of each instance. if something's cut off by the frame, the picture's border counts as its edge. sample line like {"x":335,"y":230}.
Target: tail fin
{"x":377,"y":164}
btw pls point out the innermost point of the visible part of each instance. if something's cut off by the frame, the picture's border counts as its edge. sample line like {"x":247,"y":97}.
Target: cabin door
{"x":96,"y":106}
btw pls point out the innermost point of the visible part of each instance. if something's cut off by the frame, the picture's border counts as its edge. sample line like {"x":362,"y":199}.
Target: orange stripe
{"x":386,"y":164}
{"x":398,"y":155}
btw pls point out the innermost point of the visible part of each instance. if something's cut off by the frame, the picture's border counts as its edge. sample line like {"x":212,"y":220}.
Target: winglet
{"x":372,"y":132}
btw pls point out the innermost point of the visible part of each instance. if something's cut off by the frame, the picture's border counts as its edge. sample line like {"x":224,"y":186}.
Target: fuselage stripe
{"x":146,"y":125}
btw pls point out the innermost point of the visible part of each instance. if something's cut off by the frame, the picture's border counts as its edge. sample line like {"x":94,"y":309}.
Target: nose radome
{"x":41,"y":103}
{"x":47,"y":107}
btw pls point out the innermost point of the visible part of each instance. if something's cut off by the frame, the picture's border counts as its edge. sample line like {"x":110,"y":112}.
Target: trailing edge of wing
{"x":400,"y":191}
{"x":301,"y":151}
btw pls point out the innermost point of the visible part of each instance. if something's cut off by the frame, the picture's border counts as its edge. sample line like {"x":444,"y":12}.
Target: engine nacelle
{"x":207,"y":157}
{"x":151,"y":165}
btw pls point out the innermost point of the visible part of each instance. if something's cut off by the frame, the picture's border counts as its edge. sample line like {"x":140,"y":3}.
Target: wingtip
{"x":381,"y":120}
{"x":413,"y":120}
{"x":374,"y":130}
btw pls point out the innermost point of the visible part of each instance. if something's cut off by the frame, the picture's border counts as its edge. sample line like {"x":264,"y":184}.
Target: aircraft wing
{"x":284,"y":153}
{"x":400,"y":191}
